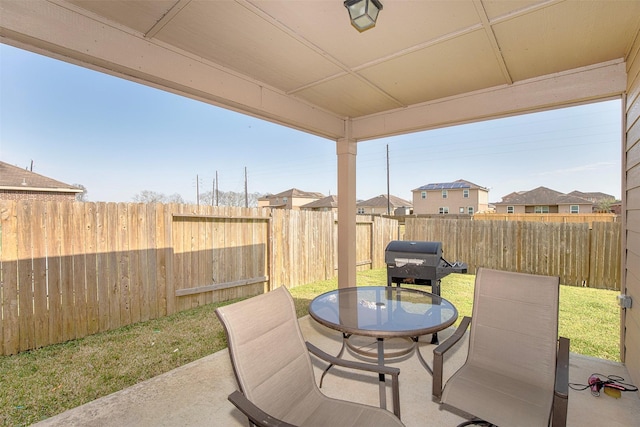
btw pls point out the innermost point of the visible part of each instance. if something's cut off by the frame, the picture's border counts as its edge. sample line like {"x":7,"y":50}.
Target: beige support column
{"x":346,"y":150}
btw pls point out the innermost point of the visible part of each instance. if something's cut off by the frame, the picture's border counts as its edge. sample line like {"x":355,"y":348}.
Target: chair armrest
{"x":387,"y":370}
{"x":256,"y":415}
{"x":380,"y":369}
{"x":438,"y":354}
{"x":561,"y":392}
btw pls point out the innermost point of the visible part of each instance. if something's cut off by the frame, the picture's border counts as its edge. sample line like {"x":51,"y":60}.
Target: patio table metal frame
{"x":383,"y":312}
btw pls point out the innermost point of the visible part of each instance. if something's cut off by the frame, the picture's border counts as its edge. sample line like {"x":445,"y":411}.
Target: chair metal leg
{"x":424,"y":363}
{"x":345,"y":337}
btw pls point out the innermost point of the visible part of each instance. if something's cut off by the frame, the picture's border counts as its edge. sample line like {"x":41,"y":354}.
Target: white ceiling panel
{"x":349,"y":96}
{"x":419,"y":21}
{"x":140,"y":16}
{"x":418,"y":76}
{"x":567,"y":36}
{"x":235,"y":37}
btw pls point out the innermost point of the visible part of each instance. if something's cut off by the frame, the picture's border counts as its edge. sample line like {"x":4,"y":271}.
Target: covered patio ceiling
{"x":427,"y":63}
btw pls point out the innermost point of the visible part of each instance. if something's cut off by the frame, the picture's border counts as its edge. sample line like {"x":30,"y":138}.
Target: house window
{"x":444,"y":194}
{"x":443,"y":210}
{"x":461,"y":210}
{"x":423,"y":194}
{"x":541,"y":209}
{"x":574,"y":209}
{"x":285,"y":200}
{"x":360,"y":210}
{"x":465,"y":193}
{"x":510,"y":209}
{"x":470,"y":210}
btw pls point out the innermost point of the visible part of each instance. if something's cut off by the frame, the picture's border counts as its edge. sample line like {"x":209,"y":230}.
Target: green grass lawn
{"x":38,"y":384}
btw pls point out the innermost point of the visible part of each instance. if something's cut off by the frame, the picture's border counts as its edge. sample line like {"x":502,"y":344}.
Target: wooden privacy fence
{"x":68,"y":270}
{"x":580,"y":255}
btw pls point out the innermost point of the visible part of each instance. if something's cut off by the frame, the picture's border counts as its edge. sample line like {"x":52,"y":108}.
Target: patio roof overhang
{"x":426,"y":64}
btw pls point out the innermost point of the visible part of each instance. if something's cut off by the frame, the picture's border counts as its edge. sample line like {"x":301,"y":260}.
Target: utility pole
{"x":213,"y":192}
{"x":217,"y":195}
{"x":197,"y":190}
{"x":388,"y":194}
{"x":246,"y":193}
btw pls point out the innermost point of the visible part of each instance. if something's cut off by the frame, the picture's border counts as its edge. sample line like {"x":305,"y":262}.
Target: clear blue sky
{"x":118,"y":138}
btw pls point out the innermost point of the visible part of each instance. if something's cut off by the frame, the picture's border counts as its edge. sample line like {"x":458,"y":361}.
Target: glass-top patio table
{"x":382,"y":312}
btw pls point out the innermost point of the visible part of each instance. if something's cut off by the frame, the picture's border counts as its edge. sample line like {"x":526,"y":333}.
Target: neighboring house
{"x":290,"y":199}
{"x":329,"y":203}
{"x":543,"y":200}
{"x":20,"y":184}
{"x":458,"y":197}
{"x":381,"y":205}
{"x":600,"y":201}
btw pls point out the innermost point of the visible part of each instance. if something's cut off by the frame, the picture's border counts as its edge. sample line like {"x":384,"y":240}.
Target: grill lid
{"x":409,"y":253}
{"x":411,"y":247}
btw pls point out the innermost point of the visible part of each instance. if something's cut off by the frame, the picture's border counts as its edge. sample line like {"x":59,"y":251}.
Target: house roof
{"x":542,"y":196}
{"x":512,"y":195}
{"x":294,"y":192}
{"x":592,"y":196}
{"x":460,"y":183}
{"x":381,"y":202}
{"x":326,"y":202}
{"x":18,"y":179}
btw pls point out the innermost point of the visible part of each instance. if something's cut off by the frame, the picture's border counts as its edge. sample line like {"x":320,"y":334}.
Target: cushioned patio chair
{"x":516,"y":372}
{"x":275,"y":376}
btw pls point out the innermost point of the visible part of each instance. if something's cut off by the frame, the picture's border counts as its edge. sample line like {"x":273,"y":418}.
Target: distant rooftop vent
{"x":24,"y":181}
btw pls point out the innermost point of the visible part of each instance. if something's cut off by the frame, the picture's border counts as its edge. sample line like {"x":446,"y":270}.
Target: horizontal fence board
{"x":579,"y":218}
{"x":217,"y":286}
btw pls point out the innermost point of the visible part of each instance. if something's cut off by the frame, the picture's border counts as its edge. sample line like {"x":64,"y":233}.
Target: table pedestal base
{"x":380,"y":355}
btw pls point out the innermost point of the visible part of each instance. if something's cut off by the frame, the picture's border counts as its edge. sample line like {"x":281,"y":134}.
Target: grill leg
{"x":436,"y":287}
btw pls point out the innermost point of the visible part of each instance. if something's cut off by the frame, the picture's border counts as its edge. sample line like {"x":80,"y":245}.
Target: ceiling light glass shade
{"x":363,"y":13}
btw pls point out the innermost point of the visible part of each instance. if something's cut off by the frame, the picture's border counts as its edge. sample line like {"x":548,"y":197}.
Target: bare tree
{"x":81,"y":197}
{"x":207,"y":198}
{"x":229,"y":198}
{"x":148,"y":196}
{"x":175,"y":198}
{"x":226,"y":198}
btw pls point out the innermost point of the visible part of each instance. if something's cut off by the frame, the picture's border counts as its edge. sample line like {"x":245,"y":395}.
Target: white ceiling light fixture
{"x":363,"y":13}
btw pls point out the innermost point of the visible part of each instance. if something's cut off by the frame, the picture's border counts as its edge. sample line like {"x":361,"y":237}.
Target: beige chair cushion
{"x":508,"y":378}
{"x":273,"y":367}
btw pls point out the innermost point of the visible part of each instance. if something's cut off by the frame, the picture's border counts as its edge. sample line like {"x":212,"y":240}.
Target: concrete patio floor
{"x":196,"y":394}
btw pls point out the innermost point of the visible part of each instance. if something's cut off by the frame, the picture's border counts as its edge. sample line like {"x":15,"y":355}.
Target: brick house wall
{"x":37,"y":195}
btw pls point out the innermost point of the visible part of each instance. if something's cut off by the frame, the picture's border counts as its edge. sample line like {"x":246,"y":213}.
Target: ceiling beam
{"x":601,"y":81}
{"x":482,"y":13}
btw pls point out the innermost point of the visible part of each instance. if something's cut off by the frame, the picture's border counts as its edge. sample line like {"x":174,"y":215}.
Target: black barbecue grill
{"x":419,"y":263}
